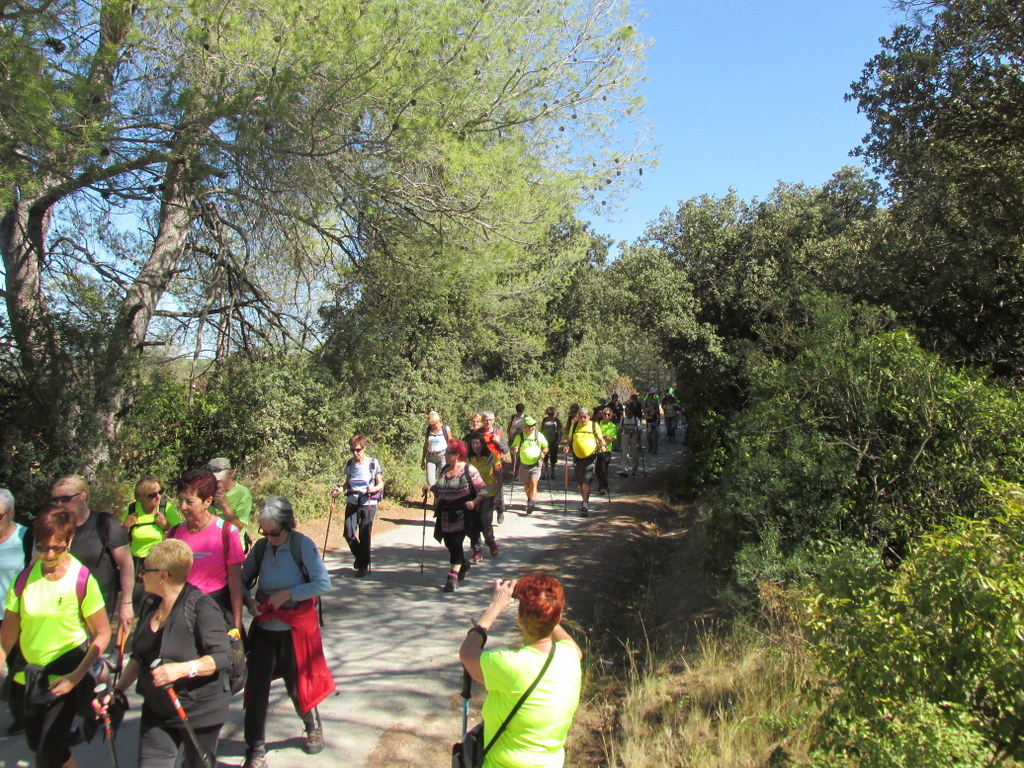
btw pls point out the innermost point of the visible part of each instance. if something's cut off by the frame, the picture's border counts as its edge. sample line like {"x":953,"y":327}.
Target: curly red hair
{"x":541,"y":602}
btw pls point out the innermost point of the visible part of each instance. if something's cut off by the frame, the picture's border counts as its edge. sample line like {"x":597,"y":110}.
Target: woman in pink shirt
{"x":216,"y":545}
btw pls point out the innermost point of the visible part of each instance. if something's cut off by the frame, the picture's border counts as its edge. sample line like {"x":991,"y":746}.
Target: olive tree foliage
{"x":214,"y":168}
{"x":944,"y":100}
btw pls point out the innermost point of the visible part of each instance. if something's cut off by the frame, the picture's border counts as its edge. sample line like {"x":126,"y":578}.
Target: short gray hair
{"x":488,"y":414}
{"x":6,"y":500}
{"x":278,"y":511}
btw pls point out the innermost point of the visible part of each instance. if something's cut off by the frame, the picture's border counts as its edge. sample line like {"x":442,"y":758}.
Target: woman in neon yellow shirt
{"x":535,"y":735}
{"x":45,"y":610}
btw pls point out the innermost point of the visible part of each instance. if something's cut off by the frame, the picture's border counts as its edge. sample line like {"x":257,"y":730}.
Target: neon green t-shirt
{"x":609,"y":430}
{"x":531,"y":447}
{"x":535,"y":737}
{"x":145,"y":533}
{"x":239,"y":499}
{"x":51,"y":623}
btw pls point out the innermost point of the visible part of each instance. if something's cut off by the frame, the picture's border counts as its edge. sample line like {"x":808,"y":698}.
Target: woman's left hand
{"x":503,"y":591}
{"x":279,"y":598}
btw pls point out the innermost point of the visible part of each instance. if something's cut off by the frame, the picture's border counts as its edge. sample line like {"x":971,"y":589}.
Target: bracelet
{"x":126,"y":602}
{"x":193,"y":669}
{"x":479,"y":630}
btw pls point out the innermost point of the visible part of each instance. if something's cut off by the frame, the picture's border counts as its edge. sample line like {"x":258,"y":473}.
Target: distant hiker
{"x":551,"y":428}
{"x":531,"y":447}
{"x":638,"y":407}
{"x":515,"y":424}
{"x":456,"y":493}
{"x":494,"y":439}
{"x":363,"y":487}
{"x":435,"y":443}
{"x":629,"y":432}
{"x":585,"y":442}
{"x":669,"y":410}
{"x":610,"y":434}
{"x":146,"y":521}
{"x":476,"y":424}
{"x":481,"y":517}
{"x":652,"y":415}
{"x":101,"y":545}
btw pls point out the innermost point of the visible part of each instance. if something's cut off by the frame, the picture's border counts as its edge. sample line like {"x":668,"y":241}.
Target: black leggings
{"x":453,"y":541}
{"x":270,"y":653}
{"x":482,"y":522}
{"x":159,"y":745}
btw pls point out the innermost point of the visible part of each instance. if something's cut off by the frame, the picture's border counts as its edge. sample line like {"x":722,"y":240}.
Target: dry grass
{"x":739,"y":702}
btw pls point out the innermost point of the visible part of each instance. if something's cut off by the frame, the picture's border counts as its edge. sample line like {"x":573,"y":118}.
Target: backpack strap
{"x":259,"y":549}
{"x":21,"y":581}
{"x":81,"y":583}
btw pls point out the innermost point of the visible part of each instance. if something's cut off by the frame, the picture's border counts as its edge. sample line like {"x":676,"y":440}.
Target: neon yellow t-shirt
{"x":146,"y":533}
{"x":535,"y":737}
{"x":531,"y":447}
{"x":584,"y":439}
{"x":51,"y":623}
{"x":609,"y":430}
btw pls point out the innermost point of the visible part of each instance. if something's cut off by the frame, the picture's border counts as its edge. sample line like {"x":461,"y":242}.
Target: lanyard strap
{"x":522,"y":698}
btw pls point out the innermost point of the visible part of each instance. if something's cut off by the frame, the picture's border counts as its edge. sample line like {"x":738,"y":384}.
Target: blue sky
{"x":745,"y":94}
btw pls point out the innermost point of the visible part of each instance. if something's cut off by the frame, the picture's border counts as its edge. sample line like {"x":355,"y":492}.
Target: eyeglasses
{"x":56,"y":549}
{"x":154,"y":494}
{"x":271,"y":534}
{"x":65,"y":499}
{"x":358,"y":449}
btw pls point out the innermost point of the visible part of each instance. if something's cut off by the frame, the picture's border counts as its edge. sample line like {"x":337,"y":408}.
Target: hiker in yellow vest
{"x":585,"y":442}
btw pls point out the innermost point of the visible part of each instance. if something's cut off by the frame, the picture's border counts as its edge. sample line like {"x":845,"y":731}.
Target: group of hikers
{"x":467,"y":477}
{"x":172,"y":574}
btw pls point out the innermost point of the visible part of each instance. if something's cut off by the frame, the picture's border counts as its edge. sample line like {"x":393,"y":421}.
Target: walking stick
{"x":551,"y":496}
{"x":423,"y":540}
{"x":330,"y":514}
{"x":565,"y":489}
{"x":122,"y":639}
{"x":100,"y":691}
{"x":208,"y":760}
{"x":643,"y":464}
{"x":512,"y":485}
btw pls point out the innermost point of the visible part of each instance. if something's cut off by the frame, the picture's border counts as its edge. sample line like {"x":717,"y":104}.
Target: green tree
{"x":944,"y":101}
{"x":261,"y":145}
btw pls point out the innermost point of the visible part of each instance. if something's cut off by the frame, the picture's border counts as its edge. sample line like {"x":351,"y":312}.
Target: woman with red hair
{"x":456,"y":495}
{"x":543,"y":676}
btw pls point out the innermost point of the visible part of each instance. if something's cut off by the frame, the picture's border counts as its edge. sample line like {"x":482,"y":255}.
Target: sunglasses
{"x":64,"y":499}
{"x":154,"y":494}
{"x":271,"y":534}
{"x":57,"y":550}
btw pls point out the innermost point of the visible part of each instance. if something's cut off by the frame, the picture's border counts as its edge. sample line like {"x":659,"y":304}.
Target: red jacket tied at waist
{"x":315,"y":681}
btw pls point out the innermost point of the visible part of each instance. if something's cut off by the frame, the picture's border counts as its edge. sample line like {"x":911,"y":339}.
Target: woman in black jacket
{"x":186,"y":629}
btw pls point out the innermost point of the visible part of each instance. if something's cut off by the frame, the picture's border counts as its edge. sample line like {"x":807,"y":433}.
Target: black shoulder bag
{"x":470,"y":752}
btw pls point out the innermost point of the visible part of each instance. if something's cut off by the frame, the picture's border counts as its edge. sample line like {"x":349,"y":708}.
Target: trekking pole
{"x":551,"y":496}
{"x":565,"y":489}
{"x":330,"y":514}
{"x":122,"y":639}
{"x":100,"y":691}
{"x":512,"y":485}
{"x":643,"y":464}
{"x":423,"y":539}
{"x":208,"y":760}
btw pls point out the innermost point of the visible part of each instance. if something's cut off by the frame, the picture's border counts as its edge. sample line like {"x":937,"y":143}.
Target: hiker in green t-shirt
{"x":611,"y":434}
{"x":233,"y":501}
{"x":531,"y":447}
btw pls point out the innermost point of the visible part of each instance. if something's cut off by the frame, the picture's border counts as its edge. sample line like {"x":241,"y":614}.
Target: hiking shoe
{"x":493,"y":549}
{"x":255,"y":760}
{"x":501,"y":517}
{"x":476,"y":557}
{"x":463,"y":570}
{"x":360,"y":573}
{"x":449,"y":586}
{"x":584,"y":511}
{"x":314,"y":741}
{"x":529,"y":506}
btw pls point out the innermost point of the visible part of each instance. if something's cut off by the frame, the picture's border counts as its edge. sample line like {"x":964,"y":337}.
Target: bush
{"x":940,"y":638}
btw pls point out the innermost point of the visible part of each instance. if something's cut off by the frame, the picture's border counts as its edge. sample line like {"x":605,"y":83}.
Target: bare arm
{"x":122,"y":557}
{"x":473,"y":646}
{"x":99,"y":630}
{"x":235,"y":591}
